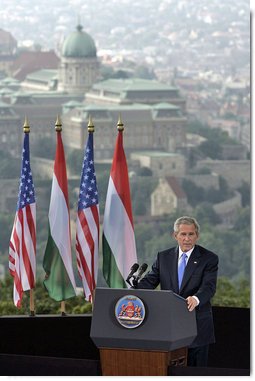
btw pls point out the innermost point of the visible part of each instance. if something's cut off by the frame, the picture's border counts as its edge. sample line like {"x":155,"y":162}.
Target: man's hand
{"x":191,"y":303}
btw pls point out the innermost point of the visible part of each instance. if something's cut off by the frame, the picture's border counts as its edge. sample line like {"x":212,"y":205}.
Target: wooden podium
{"x":160,"y":341}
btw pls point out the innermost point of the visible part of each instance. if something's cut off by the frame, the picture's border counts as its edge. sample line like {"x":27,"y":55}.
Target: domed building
{"x":79,"y":66}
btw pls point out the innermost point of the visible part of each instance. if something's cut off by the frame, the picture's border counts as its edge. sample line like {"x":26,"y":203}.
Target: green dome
{"x":79,"y":44}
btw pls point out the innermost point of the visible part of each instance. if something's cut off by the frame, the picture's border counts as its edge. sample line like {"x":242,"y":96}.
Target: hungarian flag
{"x":57,"y":262}
{"x":119,"y":249}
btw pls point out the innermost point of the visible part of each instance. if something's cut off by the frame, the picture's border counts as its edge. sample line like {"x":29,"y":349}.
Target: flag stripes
{"x":87,"y":224}
{"x":57,"y":262}
{"x":119,"y":249}
{"x":22,"y":247}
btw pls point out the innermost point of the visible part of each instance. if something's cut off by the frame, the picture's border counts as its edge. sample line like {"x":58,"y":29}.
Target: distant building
{"x":145,"y":129}
{"x":10,"y":130}
{"x":8,"y":51}
{"x":161,"y":163}
{"x":205,"y":181}
{"x":135,"y":90}
{"x":79,"y":66}
{"x":234,"y":171}
{"x":153,"y":113}
{"x":227,"y":210}
{"x":28,"y":62}
{"x":167,"y":197}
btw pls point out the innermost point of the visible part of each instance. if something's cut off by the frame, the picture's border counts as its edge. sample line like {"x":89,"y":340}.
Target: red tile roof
{"x":177,"y":189}
{"x":28,"y":62}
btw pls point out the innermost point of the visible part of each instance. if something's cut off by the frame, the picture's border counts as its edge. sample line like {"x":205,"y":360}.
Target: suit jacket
{"x":200,"y":278}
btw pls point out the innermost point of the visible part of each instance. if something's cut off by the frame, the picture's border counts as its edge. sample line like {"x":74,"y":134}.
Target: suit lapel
{"x":174,"y":270}
{"x":191,"y":266}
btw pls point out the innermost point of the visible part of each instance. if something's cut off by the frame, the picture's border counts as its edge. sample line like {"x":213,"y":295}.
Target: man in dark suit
{"x":197,"y":286}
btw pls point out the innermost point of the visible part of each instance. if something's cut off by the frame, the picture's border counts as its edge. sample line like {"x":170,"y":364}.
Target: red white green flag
{"x":119,"y":249}
{"x":57,"y":262}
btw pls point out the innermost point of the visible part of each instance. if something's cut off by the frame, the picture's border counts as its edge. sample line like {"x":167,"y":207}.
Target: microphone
{"x":142,"y":269}
{"x":136,"y":278}
{"x":133,"y":269}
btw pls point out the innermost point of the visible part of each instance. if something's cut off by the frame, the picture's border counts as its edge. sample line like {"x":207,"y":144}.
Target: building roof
{"x":79,"y":44}
{"x":133,"y":84}
{"x":8,"y":43}
{"x":43,"y":75}
{"x":156,"y":154}
{"x":175,"y":186}
{"x":28,"y":62}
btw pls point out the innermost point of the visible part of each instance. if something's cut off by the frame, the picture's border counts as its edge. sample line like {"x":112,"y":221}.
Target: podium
{"x":143,"y":343}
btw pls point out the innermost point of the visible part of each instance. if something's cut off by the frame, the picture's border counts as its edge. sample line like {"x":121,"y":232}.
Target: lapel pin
{"x":195,"y":262}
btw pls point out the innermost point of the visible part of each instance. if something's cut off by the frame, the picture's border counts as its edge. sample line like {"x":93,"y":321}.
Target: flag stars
{"x":88,"y":191}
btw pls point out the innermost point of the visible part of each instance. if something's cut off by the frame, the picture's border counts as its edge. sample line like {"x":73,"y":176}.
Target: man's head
{"x":186,"y":232}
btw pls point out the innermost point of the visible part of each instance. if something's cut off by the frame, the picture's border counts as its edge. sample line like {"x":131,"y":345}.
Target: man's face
{"x":186,"y":237}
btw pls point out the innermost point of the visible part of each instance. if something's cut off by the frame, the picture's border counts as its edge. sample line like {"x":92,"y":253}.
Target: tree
{"x":9,"y":166}
{"x":232,"y":294}
{"x":205,"y":214}
{"x":74,"y":160}
{"x":44,"y":147}
{"x":245,"y":191}
{"x":212,"y":149}
{"x":43,"y":303}
{"x":144,"y":171}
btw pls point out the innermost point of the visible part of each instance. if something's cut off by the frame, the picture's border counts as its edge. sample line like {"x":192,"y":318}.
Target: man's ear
{"x":174,"y":235}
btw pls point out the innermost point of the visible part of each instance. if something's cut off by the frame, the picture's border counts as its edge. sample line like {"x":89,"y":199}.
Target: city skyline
{"x":169,"y":33}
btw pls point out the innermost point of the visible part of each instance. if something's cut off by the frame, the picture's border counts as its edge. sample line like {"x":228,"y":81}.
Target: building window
{"x":4,"y":138}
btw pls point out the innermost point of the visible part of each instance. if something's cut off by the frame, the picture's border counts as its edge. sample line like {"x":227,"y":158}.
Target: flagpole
{"x":32,"y":305}
{"x":26,"y":130}
{"x":58,"y":128}
{"x":91,"y":130}
{"x":63,"y":308}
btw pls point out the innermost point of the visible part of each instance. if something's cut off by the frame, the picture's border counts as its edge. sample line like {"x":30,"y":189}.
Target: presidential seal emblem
{"x":130,"y":311}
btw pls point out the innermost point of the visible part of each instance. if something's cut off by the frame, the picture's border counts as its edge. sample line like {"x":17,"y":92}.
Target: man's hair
{"x":185,"y":220}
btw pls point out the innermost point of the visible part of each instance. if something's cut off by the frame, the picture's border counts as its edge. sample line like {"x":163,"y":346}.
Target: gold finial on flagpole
{"x":58,"y":124}
{"x":120,"y":125}
{"x":26,"y":127}
{"x":90,"y":125}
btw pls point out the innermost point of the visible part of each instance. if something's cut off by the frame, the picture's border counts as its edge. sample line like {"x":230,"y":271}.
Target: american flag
{"x":87,"y":225}
{"x":22,"y":247}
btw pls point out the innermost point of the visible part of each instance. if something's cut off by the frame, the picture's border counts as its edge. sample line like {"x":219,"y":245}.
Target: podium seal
{"x":130,"y":311}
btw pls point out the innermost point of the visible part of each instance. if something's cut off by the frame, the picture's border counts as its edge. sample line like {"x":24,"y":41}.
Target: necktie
{"x":181,"y":268}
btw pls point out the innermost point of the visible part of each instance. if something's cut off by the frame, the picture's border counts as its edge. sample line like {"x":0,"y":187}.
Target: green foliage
{"x":215,"y":135}
{"x":231,"y":245}
{"x":197,"y":195}
{"x":141,"y":189}
{"x":144,"y":171}
{"x":245,"y":191}
{"x":6,"y":222}
{"x":212,"y":147}
{"x":44,"y":147}
{"x":205,"y":214}
{"x":43,"y":303}
{"x":232,"y":294}
{"x":9,"y":166}
{"x":74,"y":161}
